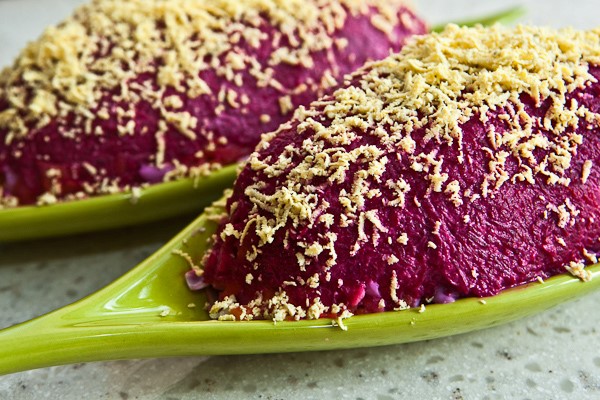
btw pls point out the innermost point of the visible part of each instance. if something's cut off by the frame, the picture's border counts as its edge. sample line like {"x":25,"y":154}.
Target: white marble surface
{"x":550,"y":356}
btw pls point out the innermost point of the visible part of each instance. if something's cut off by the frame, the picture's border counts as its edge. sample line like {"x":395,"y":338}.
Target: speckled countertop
{"x":553,"y":355}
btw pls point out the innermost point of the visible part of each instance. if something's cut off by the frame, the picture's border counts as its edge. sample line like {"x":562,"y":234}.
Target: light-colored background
{"x":553,"y":355}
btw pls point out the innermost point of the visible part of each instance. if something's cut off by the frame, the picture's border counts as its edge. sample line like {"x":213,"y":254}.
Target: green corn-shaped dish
{"x":148,"y":313}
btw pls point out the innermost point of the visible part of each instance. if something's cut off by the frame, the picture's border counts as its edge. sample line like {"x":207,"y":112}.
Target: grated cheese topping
{"x":102,"y":71}
{"x":342,"y":157}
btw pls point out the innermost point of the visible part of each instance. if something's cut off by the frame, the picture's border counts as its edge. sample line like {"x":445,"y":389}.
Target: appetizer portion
{"x":464,"y":165}
{"x":128,"y":93}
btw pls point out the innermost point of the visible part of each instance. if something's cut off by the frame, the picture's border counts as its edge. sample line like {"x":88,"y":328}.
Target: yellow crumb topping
{"x":112,"y":55}
{"x":435,"y":85}
{"x":108,"y":43}
{"x":578,"y":270}
{"x":440,"y":81}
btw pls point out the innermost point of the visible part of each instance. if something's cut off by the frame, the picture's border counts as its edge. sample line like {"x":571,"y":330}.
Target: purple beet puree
{"x":511,"y":238}
{"x":127,"y":160}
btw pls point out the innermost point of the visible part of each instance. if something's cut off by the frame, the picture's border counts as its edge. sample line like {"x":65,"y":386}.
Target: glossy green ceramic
{"x":148,"y":313}
{"x":503,"y":17}
{"x":116,"y":210}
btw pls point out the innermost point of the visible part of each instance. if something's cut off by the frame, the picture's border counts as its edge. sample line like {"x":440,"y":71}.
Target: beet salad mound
{"x":464,"y":165}
{"x":129,"y":93}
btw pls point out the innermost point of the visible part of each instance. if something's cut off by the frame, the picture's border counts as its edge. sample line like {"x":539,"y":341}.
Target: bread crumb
{"x":136,"y":194}
{"x":402,"y":239}
{"x":165,"y":312}
{"x":578,"y":270}
{"x":587,"y":169}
